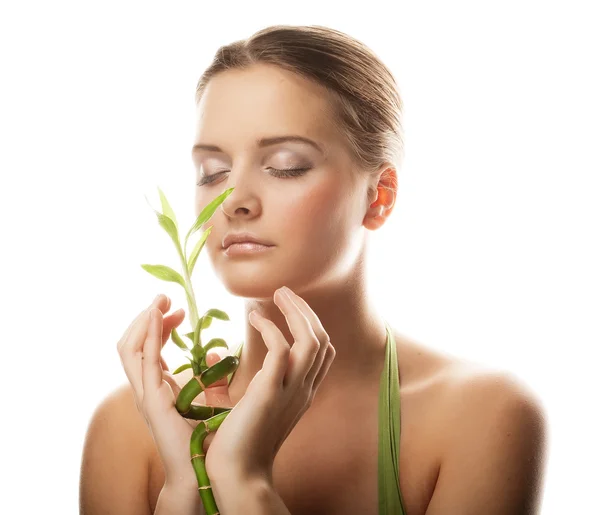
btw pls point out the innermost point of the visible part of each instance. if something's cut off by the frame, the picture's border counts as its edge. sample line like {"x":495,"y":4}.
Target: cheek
{"x":314,"y":214}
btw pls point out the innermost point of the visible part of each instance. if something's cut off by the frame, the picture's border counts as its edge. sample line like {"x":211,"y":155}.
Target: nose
{"x":243,"y":200}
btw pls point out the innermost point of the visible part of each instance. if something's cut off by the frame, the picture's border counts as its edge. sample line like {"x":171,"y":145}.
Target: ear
{"x":381,"y":197}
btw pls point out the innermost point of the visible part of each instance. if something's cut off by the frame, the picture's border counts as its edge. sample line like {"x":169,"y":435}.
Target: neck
{"x":355,"y":330}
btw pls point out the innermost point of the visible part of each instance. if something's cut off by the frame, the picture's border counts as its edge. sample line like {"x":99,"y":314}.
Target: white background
{"x":492,"y":246}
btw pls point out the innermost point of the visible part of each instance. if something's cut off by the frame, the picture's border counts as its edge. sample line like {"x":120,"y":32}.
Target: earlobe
{"x":374,"y":219}
{"x":379,"y":211}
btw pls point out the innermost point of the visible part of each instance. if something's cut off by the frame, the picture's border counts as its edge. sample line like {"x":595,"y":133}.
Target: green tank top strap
{"x":390,"y":496}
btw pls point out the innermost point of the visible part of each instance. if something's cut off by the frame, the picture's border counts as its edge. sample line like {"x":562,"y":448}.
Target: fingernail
{"x":284,"y":294}
{"x":287,"y":291}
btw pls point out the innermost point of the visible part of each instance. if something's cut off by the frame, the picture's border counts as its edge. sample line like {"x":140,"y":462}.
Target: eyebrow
{"x":264,"y":142}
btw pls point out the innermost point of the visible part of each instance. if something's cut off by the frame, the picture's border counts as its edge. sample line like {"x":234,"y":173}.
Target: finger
{"x":125,"y":335}
{"x":306,"y":344}
{"x":161,"y":301}
{"x":163,"y":364}
{"x":130,"y":350}
{"x":131,"y":359}
{"x":320,"y":333}
{"x":329,"y":357}
{"x":277,"y":360}
{"x":133,"y":342}
{"x":316,"y":324}
{"x":217,"y":394}
{"x":170,"y":378}
{"x":152,"y":373}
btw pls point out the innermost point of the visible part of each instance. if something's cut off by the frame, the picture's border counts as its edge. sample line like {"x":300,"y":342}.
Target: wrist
{"x":181,"y":487}
{"x":175,"y":499}
{"x":233,"y":477}
{"x":248,"y":494}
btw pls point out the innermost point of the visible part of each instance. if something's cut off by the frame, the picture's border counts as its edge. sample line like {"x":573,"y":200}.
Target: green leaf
{"x":182,"y":368}
{"x":168,"y":225}
{"x":197,"y":249}
{"x":197,"y":330}
{"x":190,"y":336}
{"x":197,"y":352}
{"x":217,"y":313}
{"x":205,"y":322}
{"x":165,"y":273}
{"x":215,"y":342}
{"x":207,"y":213}
{"x":197,"y":365}
{"x":177,"y":340}
{"x":167,"y":210}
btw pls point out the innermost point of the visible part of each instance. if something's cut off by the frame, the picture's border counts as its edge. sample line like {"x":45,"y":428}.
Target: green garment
{"x":390,"y":496}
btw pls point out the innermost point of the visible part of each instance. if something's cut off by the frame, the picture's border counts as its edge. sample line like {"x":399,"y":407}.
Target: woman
{"x":305,"y":122}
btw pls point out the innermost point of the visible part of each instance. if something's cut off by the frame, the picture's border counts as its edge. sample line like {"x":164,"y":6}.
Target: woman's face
{"x":314,"y":219}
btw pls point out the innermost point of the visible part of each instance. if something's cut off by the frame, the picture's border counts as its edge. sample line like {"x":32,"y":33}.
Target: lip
{"x":243,"y":237}
{"x":246,"y":249}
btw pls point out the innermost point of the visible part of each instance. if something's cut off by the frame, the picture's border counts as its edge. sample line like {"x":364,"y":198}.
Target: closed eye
{"x":286,"y":172}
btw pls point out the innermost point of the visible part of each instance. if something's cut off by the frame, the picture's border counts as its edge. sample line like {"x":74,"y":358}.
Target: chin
{"x":244,"y":283}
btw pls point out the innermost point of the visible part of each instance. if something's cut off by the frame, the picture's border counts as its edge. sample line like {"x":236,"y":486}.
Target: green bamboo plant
{"x":211,"y":417}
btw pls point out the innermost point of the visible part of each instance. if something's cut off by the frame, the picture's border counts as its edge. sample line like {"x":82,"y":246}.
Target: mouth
{"x":244,"y":238}
{"x":246,"y":248}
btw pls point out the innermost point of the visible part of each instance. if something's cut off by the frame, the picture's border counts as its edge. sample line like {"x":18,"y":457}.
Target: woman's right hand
{"x":156,"y":389}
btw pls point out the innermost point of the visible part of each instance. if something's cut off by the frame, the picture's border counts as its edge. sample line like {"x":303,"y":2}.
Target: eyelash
{"x":290,"y":172}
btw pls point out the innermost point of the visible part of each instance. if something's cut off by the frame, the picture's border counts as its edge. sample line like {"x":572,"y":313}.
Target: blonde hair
{"x":366,"y":104}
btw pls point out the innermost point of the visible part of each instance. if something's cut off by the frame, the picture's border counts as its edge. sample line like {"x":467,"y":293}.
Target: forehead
{"x":263,"y":100}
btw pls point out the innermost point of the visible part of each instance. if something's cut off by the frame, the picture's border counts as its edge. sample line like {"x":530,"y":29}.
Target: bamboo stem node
{"x":197,"y":378}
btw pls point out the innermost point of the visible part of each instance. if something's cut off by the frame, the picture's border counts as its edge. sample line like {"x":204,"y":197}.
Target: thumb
{"x":217,"y":394}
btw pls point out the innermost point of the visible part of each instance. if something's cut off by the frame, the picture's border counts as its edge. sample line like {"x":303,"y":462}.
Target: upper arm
{"x":115,"y":466}
{"x":495,"y":462}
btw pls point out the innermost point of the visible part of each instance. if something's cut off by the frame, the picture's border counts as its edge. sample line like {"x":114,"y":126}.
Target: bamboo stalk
{"x":211,"y":417}
{"x":198,"y":459}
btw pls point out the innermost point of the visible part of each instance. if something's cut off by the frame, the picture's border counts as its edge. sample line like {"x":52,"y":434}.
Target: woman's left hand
{"x":246,"y":443}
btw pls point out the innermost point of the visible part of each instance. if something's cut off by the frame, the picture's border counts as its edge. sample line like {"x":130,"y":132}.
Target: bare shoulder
{"x":486,"y":429}
{"x":115,"y":466}
{"x":494,"y":407}
{"x":460,"y":383}
{"x":132,"y":425}
{"x":465,"y":398}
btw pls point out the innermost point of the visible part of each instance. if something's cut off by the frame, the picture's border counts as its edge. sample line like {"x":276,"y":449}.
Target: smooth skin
{"x":472,"y":440}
